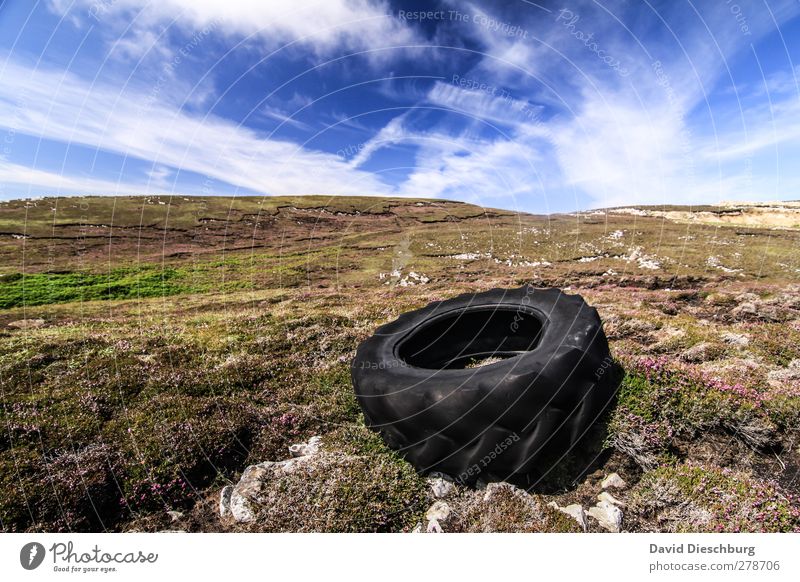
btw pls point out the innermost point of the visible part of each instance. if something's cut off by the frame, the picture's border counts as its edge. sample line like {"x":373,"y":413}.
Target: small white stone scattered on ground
{"x":438,"y":511}
{"x":27,"y":324}
{"x":613,"y":481}
{"x":608,"y":516}
{"x":735,"y":339}
{"x":574,"y":510}
{"x":225,"y":501}
{"x":606,"y":496}
{"x":305,"y":449}
{"x":441,"y":487}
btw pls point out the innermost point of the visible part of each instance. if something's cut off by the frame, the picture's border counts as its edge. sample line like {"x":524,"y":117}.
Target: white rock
{"x":27,"y":324}
{"x":240,"y":508}
{"x":608,"y":516}
{"x":736,"y":339}
{"x":434,"y":527}
{"x":417,"y":528}
{"x":247,"y":489}
{"x":613,"y":480}
{"x":606,"y":496}
{"x":574,"y":510}
{"x":225,"y":501}
{"x":306,"y":449}
{"x":175,"y":515}
{"x":439,"y":511}
{"x":441,"y":488}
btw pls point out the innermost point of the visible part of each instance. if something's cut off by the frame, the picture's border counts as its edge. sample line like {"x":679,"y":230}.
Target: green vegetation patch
{"x":19,"y":289}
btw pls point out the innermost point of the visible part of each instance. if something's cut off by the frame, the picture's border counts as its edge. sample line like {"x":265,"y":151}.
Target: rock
{"x":440,"y":487}
{"x":27,"y":324}
{"x":225,"y":501}
{"x":434,"y":527}
{"x":306,"y":449}
{"x":761,"y":310}
{"x":436,"y":513}
{"x":608,"y":516}
{"x":736,"y":339}
{"x":439,"y":511}
{"x":417,"y":528}
{"x":606,"y":496}
{"x":247,"y":490}
{"x":787,"y":374}
{"x":175,"y":515}
{"x":574,"y":510}
{"x":700,"y":352}
{"x":746,"y":308}
{"x":613,"y":481}
{"x":747,"y":297}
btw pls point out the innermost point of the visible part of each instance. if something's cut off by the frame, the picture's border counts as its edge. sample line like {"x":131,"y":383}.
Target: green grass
{"x":18,"y":289}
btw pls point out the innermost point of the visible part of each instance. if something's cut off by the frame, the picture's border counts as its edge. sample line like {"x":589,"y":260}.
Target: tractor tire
{"x":486,"y":386}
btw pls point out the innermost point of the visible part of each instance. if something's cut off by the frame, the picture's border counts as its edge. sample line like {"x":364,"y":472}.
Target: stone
{"x":434,"y":527}
{"x":225,"y":501}
{"x":440,"y":487}
{"x":240,"y":508}
{"x":175,"y":515}
{"x":787,"y":374}
{"x":439,"y":511}
{"x":748,"y":297}
{"x":246,"y":490}
{"x":574,"y":510}
{"x":746,"y":308}
{"x":608,"y":516}
{"x":27,"y":324}
{"x":311,"y":447}
{"x":736,"y":339}
{"x":700,"y":352}
{"x":613,"y":481}
{"x":606,"y":496}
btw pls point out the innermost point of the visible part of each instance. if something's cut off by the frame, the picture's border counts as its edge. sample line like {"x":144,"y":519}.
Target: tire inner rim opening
{"x":472,"y":337}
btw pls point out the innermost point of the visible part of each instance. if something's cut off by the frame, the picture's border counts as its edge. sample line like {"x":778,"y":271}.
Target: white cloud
{"x":322,"y":25}
{"x":28,"y":181}
{"x":63,"y":108}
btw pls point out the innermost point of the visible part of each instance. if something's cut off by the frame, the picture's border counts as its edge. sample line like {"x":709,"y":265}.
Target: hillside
{"x":152,"y":348}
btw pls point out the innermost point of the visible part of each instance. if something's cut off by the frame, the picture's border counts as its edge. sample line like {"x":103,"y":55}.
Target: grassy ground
{"x":151,"y":348}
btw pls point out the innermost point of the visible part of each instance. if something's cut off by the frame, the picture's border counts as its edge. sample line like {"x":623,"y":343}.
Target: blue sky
{"x":543,"y":107}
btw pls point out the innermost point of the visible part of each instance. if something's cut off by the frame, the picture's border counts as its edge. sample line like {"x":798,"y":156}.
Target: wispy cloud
{"x":323,"y":25}
{"x":66,"y":109}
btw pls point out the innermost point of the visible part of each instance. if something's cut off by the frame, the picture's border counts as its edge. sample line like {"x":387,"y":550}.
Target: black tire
{"x":496,"y":421}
